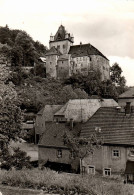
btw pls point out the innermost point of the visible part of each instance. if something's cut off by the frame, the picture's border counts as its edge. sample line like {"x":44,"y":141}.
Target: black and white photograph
{"x":67,"y":97}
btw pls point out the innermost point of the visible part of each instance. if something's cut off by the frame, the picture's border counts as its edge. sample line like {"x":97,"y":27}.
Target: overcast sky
{"x":106,"y":24}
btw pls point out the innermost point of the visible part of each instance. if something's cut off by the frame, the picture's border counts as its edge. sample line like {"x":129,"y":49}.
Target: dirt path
{"x":6,"y":190}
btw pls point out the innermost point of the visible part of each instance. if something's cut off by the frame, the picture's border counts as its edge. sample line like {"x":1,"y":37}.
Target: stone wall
{"x":51,"y":66}
{"x":85,"y":64}
{"x":50,"y":154}
{"x":63,"y":46}
{"x":63,"y":69}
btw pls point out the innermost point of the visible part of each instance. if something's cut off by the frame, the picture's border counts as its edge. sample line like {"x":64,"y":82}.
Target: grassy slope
{"x":51,"y":181}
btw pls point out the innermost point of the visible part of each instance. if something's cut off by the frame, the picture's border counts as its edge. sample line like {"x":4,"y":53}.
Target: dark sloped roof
{"x":61,"y":34}
{"x":84,"y":50}
{"x":53,"y":136}
{"x":116,"y":128}
{"x":52,"y":51}
{"x":49,"y":111}
{"x":128,"y":94}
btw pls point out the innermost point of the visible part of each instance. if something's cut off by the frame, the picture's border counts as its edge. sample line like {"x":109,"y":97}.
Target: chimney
{"x":71,"y":124}
{"x":128,"y":108}
{"x":80,"y":43}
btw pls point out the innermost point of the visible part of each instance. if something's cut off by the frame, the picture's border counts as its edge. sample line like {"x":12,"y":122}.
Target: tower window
{"x":58,"y":47}
{"x":64,"y":46}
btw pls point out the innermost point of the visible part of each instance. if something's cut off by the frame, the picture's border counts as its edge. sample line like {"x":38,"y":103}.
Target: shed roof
{"x":53,"y":136}
{"x":80,"y":110}
{"x":128,"y":94}
{"x":84,"y":50}
{"x":49,"y":111}
{"x":115,"y":126}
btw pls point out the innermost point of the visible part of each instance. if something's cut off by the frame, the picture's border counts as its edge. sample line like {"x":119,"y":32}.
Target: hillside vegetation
{"x":18,"y":49}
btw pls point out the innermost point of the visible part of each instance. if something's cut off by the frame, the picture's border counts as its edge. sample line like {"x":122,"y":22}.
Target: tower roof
{"x":61,"y":34}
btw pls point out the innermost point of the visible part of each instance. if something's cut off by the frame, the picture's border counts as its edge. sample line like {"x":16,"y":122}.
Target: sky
{"x":106,"y":24}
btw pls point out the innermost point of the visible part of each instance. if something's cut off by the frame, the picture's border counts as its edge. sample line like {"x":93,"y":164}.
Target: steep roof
{"x":53,"y":136}
{"x":82,"y":109}
{"x":49,"y":111}
{"x":84,"y":50}
{"x":52,"y":51}
{"x":128,"y":94}
{"x":115,"y":126}
{"x":61,"y":34}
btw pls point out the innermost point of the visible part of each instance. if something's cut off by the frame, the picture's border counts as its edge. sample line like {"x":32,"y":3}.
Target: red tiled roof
{"x":84,"y":50}
{"x":116,"y":127}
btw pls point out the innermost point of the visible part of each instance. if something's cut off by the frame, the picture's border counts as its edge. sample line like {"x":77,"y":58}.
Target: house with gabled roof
{"x":46,"y":114}
{"x":63,"y":59}
{"x":127,"y":97}
{"x":67,"y":118}
{"x":116,"y":155}
{"x":52,"y":148}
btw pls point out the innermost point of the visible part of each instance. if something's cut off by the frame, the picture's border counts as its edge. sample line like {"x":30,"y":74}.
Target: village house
{"x":116,"y":155}
{"x":127,"y":98}
{"x":67,"y":118}
{"x":46,"y":114}
{"x":63,"y":59}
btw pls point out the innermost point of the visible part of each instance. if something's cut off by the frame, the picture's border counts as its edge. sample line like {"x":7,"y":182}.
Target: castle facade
{"x":64,"y":59}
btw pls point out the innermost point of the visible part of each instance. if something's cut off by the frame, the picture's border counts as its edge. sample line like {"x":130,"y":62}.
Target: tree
{"x":82,"y":147}
{"x":89,"y":83}
{"x":16,"y":56}
{"x":115,"y":74}
{"x":30,"y":55}
{"x":10,"y":113}
{"x":17,"y":160}
{"x":68,"y":93}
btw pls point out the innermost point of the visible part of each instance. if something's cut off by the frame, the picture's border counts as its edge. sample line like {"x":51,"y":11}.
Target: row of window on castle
{"x":63,"y":46}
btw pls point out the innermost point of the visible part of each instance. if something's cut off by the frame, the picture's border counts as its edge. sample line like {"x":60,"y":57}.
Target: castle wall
{"x":86,"y":63}
{"x":63,"y":69}
{"x":51,"y":66}
{"x":62,"y":46}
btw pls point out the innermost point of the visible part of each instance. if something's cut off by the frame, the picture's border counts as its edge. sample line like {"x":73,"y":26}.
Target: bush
{"x":18,"y":160}
{"x":67,"y":184}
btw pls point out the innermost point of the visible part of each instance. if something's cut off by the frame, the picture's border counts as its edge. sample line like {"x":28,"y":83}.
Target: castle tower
{"x":61,"y":41}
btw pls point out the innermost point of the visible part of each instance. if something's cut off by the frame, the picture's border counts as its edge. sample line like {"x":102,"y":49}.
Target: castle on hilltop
{"x":64,"y":59}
